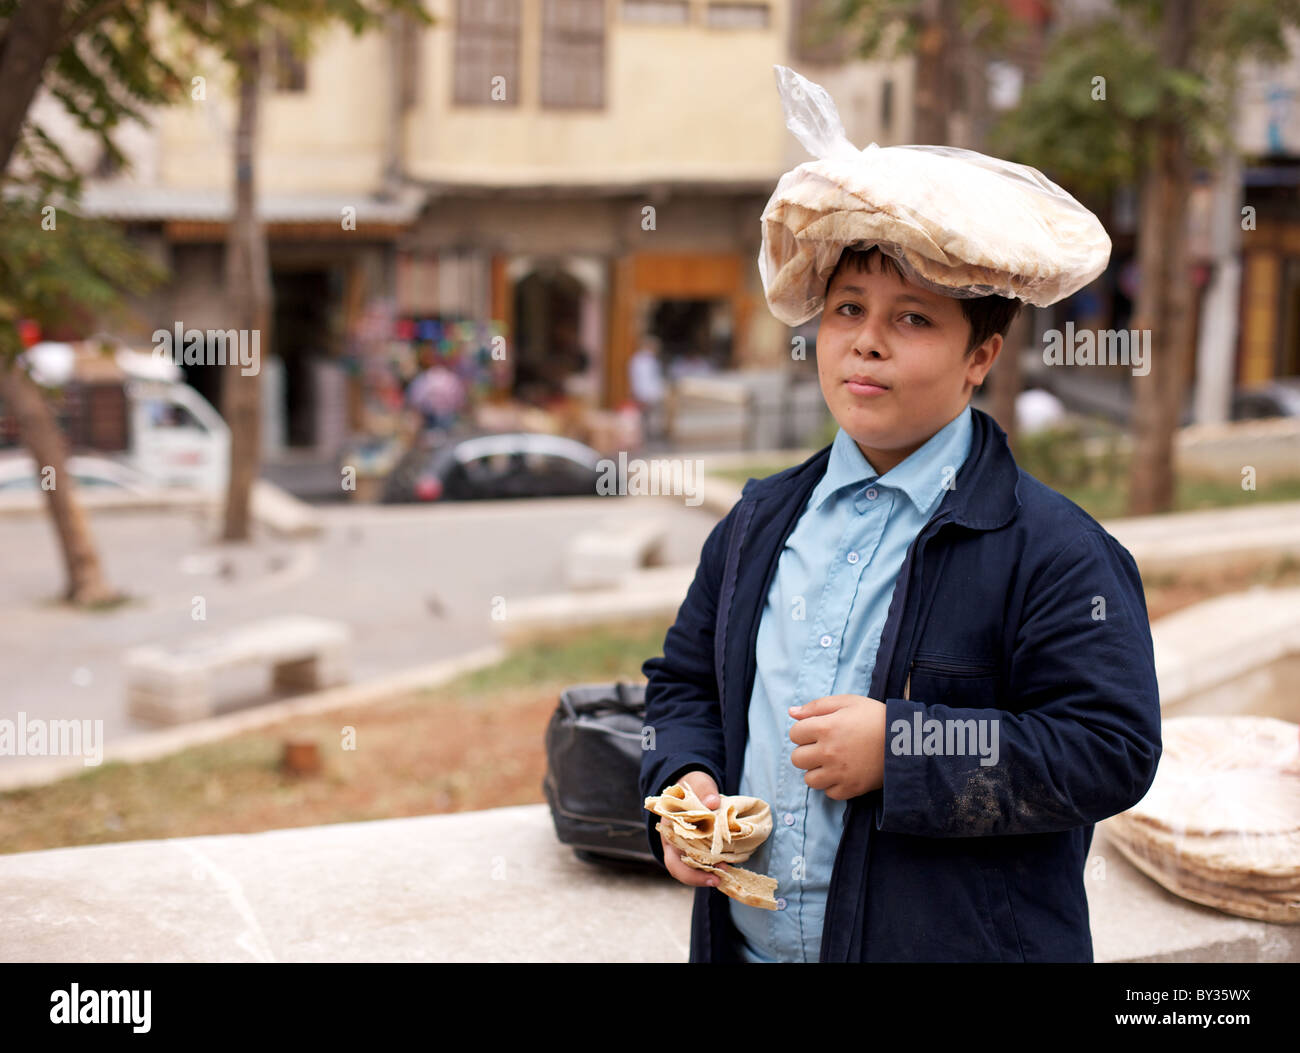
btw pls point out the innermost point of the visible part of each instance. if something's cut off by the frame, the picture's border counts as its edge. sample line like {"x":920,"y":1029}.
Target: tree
{"x":242,"y":36}
{"x":248,"y":289}
{"x":106,"y":60}
{"x":54,"y":265}
{"x":1141,"y":95}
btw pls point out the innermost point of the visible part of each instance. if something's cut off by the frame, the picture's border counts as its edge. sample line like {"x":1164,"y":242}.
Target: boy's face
{"x":909,"y":339}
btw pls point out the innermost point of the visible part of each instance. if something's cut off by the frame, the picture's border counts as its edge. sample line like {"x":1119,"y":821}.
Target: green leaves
{"x":65,"y":276}
{"x":116,"y":60}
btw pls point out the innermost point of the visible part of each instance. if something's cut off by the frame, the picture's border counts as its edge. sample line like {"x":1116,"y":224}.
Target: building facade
{"x":533,"y":186}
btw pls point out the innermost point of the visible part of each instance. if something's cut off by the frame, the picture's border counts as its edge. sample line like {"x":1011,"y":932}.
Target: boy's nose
{"x":868,"y":341}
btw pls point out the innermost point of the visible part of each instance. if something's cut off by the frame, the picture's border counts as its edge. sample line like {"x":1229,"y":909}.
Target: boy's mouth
{"x":861,"y":384}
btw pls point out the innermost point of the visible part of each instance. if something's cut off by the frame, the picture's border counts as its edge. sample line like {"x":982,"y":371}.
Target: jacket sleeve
{"x":683,"y":709}
{"x":1081,"y":742}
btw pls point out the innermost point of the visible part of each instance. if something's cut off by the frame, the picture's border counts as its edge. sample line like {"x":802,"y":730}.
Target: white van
{"x":137,"y":409}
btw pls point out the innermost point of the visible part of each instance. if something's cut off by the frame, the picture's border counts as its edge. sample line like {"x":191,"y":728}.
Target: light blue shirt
{"x":818,"y":636}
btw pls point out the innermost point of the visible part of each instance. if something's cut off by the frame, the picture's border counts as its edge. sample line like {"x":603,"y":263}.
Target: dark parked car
{"x":486,"y":467}
{"x":1276,"y":398}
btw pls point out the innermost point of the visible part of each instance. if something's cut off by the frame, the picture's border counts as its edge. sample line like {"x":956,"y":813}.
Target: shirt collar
{"x":921,"y":475}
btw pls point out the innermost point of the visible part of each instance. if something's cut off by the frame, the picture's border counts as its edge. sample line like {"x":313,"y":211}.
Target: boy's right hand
{"x":707,"y":791}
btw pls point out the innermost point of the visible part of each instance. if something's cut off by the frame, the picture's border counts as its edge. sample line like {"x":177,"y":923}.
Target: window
{"x":737,"y":16}
{"x":657,"y":12}
{"x":487,"y":47}
{"x":288,"y":71}
{"x":107,"y":166}
{"x":573,"y":53}
{"x":165,"y":414}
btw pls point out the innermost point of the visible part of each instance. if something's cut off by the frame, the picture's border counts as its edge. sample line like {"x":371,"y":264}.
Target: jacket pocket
{"x":957,"y":682}
{"x":1004,"y":931}
{"x":946,"y":665}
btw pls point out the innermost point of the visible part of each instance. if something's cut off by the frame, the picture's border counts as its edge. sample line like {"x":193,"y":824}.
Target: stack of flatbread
{"x":959,"y":222}
{"x":727,"y":834}
{"x":1220,"y":824}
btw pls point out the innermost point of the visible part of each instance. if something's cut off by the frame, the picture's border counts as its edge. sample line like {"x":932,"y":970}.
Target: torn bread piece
{"x":727,"y":834}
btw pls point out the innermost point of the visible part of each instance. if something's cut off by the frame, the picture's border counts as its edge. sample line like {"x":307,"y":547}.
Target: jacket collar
{"x":983,"y":497}
{"x":919,"y":476}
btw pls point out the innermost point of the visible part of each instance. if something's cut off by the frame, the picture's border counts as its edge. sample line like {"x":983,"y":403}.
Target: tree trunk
{"x":1165,"y":296}
{"x":40,"y":433}
{"x":1005,"y":376}
{"x":26,"y":44}
{"x":936,"y":52}
{"x":248,"y":290}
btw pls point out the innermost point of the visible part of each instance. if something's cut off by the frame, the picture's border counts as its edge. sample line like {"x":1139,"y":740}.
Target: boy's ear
{"x":983,"y":357}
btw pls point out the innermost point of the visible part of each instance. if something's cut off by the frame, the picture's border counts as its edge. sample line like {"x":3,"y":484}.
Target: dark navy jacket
{"x":1012,"y":603}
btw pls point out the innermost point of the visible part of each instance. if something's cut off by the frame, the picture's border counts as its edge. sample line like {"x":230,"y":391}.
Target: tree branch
{"x":26,"y":46}
{"x":85,"y":20}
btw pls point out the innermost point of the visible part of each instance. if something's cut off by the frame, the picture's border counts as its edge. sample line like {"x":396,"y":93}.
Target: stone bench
{"x":1224,"y":655}
{"x":172,"y":684}
{"x":602,"y":556}
{"x":488,"y":886}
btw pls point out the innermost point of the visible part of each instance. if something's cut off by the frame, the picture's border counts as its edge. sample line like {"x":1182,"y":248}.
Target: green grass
{"x":740,"y":476}
{"x":1098,"y":481}
{"x":586,"y":654}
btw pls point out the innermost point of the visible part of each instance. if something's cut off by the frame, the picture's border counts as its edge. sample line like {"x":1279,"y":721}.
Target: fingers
{"x":806,"y":730}
{"x":686,"y":875}
{"x":704,"y":786}
{"x":817,"y":778}
{"x":810,"y":757}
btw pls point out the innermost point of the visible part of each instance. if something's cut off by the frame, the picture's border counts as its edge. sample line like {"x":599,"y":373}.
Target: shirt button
{"x":826,"y":641}
{"x":853,"y":557}
{"x":789,"y":819}
{"x":780,"y":903}
{"x":871,"y":494}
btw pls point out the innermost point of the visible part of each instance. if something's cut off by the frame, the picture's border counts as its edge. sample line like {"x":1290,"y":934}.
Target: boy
{"x":936,"y":670}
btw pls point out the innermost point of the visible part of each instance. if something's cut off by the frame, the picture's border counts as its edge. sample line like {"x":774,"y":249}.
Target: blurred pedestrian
{"x":649,"y":388}
{"x":438,"y":395}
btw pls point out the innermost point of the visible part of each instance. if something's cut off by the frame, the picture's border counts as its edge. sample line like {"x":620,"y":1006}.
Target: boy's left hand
{"x":841,"y":744}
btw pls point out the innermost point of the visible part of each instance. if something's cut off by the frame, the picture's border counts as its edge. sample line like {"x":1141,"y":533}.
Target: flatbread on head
{"x":958,"y":222}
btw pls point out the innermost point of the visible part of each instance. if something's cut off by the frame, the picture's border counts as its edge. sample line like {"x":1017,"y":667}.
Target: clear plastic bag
{"x":960,"y":223}
{"x":1220,"y":824}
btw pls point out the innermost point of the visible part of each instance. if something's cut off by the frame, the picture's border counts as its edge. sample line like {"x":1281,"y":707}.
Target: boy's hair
{"x":986,"y":314}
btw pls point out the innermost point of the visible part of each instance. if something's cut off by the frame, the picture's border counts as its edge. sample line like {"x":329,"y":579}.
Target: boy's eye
{"x":920,"y":321}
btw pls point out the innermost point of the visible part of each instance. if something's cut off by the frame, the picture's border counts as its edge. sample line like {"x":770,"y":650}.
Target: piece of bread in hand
{"x":727,"y":834}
